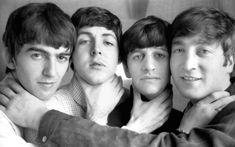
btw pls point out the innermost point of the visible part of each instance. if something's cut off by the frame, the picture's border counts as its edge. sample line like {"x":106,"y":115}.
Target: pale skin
{"x":39,"y":68}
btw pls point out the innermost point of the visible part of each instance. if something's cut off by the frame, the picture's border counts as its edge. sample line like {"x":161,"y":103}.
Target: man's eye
{"x":108,"y":43}
{"x":178,"y":50}
{"x":63,"y":58}
{"x":160,"y":55}
{"x":83,"y":42}
{"x":138,"y":57}
{"x":36,"y":56}
{"x":203,"y":52}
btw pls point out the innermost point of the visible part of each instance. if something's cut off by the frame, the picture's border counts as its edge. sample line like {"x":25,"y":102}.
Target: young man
{"x":39,"y":40}
{"x":216,"y":41}
{"x":146,"y":61}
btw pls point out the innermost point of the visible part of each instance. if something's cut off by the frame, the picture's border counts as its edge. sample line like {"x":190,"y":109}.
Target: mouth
{"x":150,"y":78}
{"x":97,"y":65}
{"x":47,"y":84}
{"x":190,"y":78}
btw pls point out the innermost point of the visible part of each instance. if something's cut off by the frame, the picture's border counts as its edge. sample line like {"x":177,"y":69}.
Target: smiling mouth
{"x":190,"y":78}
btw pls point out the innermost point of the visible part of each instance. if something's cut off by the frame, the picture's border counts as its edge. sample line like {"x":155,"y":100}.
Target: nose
{"x":95,"y":48}
{"x":149,"y":64}
{"x":190,"y":62}
{"x":50,"y":68}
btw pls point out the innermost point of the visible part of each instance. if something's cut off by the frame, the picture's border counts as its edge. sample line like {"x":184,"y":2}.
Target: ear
{"x":230,"y":63}
{"x":9,"y":60}
{"x":126,"y":70}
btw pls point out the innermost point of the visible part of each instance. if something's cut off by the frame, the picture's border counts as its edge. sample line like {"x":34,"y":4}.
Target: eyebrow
{"x":197,"y":41}
{"x":38,"y":49}
{"x":86,"y":33}
{"x":161,"y":48}
{"x":107,"y":34}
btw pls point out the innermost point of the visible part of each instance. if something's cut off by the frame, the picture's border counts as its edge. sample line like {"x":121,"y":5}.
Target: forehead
{"x":193,"y":40}
{"x":44,"y":48}
{"x":96,"y":31}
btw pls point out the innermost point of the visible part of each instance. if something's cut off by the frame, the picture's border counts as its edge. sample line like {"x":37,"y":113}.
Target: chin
{"x":45,"y":96}
{"x":96,"y":81}
{"x":151,"y":94}
{"x":193,"y":95}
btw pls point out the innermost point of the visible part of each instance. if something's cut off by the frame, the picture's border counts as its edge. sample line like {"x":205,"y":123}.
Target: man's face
{"x":197,"y":67}
{"x":96,"y":55}
{"x":149,"y":70}
{"x":40,"y":68}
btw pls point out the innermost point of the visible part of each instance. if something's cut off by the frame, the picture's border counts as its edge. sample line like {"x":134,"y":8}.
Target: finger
{"x":7,"y":92}
{"x":2,"y":108}
{"x":214,"y":96}
{"x":16,"y":87}
{"x":223,"y":102}
{"x":4,"y":100}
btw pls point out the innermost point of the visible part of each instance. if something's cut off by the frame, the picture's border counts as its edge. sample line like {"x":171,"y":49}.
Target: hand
{"x":148,"y":116}
{"x":20,"y":106}
{"x":102,"y":99}
{"x":205,"y":110}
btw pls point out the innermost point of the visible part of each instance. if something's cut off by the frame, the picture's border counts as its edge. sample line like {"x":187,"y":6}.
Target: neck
{"x":88,"y":87}
{"x":85,"y":85}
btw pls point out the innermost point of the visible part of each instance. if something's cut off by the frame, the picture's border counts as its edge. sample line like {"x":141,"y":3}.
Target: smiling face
{"x":149,"y":70}
{"x":197,"y":67}
{"x":40,"y":68}
{"x":96,"y":55}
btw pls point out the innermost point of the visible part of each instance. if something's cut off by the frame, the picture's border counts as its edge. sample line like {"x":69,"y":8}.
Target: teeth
{"x":190,"y":78}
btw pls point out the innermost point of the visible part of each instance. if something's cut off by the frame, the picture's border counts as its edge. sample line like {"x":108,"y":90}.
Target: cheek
{"x":165,"y":75}
{"x":62,"y":69}
{"x":174,"y":63}
{"x":26,"y":75}
{"x":134,"y":70}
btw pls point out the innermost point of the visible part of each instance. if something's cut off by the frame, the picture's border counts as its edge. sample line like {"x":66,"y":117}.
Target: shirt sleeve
{"x":10,"y":134}
{"x":66,"y":130}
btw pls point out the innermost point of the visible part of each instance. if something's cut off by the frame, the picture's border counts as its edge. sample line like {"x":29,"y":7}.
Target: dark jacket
{"x":69,"y":131}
